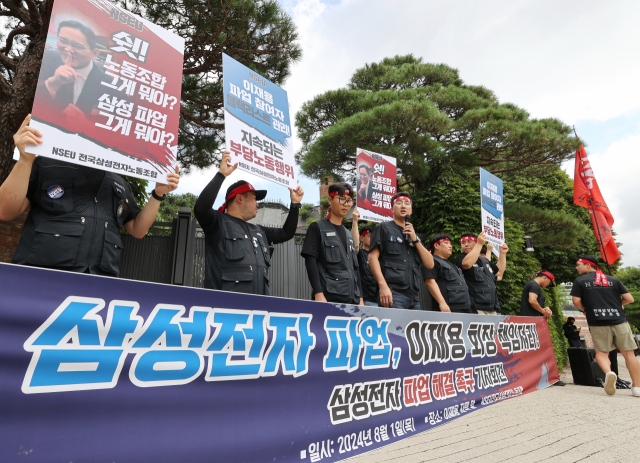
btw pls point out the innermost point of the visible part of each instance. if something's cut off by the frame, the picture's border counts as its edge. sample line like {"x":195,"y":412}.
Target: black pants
{"x":574,"y":343}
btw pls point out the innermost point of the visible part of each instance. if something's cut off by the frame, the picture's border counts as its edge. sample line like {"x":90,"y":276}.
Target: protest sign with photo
{"x":492,"y":201}
{"x":376,"y":183}
{"x":256,"y":123}
{"x":108,"y":92}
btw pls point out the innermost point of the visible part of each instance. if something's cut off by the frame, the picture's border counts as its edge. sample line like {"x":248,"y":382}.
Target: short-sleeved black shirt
{"x":602,"y":304}
{"x":525,"y":308}
{"x":379,"y":236}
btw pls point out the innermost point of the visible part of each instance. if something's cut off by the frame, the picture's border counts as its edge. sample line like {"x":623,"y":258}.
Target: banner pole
{"x":595,"y":218}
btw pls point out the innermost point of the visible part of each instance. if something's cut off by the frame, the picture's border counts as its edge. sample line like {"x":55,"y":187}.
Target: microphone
{"x":407,"y":218}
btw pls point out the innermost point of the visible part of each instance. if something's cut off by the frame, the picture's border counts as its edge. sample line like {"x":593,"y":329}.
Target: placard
{"x":376,"y":183}
{"x":257,"y":126}
{"x":108,"y":93}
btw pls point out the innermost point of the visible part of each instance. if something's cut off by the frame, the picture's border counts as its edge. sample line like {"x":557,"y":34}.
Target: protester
{"x":75,"y":212}
{"x":532,"y":302}
{"x":572,"y":332}
{"x":69,"y":79}
{"x":237,"y":256}
{"x":480,"y":273}
{"x":395,"y":256}
{"x":602,"y":299}
{"x":448,"y":288}
{"x":330,"y":254}
{"x":369,"y":283}
{"x":487,"y":252}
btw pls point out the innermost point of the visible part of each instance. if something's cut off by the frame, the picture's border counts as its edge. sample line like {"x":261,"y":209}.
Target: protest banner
{"x":376,"y":183}
{"x":108,"y":92}
{"x":256,"y":124}
{"x":492,"y":209}
{"x":103,"y":369}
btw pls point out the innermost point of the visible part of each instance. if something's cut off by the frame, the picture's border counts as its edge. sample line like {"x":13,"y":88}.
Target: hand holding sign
{"x":26,"y":136}
{"x":173,"y":180}
{"x":296,"y":195}
{"x":226,"y":168}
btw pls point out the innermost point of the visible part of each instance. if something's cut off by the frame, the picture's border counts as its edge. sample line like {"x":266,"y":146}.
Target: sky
{"x":572,"y":60}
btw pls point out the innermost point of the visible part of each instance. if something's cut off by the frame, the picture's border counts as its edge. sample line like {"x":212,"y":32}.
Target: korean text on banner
{"x":108,"y":93}
{"x":492,"y":202}
{"x":240,"y":377}
{"x":257,"y":125}
{"x":376,"y":183}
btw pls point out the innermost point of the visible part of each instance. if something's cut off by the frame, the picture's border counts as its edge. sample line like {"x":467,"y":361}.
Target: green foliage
{"x":139,"y":189}
{"x":423,"y":114}
{"x":555,"y":299}
{"x":630,"y":278}
{"x":172,"y":203}
{"x":559,"y":229}
{"x":632,"y":311}
{"x":306,"y":209}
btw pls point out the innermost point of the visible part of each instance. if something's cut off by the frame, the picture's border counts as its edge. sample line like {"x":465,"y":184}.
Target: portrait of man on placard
{"x":365,"y":185}
{"x":70,"y":79}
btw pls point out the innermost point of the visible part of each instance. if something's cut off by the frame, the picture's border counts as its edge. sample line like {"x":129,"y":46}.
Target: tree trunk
{"x":19,"y":103}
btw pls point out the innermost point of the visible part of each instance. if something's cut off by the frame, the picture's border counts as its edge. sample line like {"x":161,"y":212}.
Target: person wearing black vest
{"x":330,"y":253}
{"x":75,"y":212}
{"x":445,"y":282}
{"x":602,"y":299}
{"x":369,"y":283}
{"x":395,"y":256}
{"x":480,"y":273}
{"x":237,"y":256}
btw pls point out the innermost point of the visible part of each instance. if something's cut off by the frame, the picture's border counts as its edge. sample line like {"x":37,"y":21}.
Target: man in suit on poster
{"x":69,"y":79}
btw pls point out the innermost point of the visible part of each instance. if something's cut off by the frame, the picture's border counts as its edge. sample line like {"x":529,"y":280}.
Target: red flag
{"x":608,"y":248}
{"x":586,"y":193}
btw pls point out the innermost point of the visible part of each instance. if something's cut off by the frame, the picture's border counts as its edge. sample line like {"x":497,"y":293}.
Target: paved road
{"x":559,"y":424}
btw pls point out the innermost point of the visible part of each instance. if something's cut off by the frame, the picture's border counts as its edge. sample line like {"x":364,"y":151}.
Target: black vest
{"x":400,"y":261}
{"x":482,"y":286}
{"x":240,"y":261}
{"x":77,"y":231}
{"x":370,"y":287}
{"x":338,"y":268}
{"x":453,"y":287}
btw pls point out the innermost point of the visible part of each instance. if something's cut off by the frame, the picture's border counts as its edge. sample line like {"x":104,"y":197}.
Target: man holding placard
{"x":237,"y":252}
{"x":75,"y":212}
{"x":480,"y":273}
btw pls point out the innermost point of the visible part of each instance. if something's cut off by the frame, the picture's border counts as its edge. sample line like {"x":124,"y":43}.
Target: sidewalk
{"x":558,"y":424}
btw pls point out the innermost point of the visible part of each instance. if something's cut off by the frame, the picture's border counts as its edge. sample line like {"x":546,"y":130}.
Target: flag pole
{"x":593,"y":211}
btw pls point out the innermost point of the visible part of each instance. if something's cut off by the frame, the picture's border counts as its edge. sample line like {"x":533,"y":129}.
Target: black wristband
{"x":296,"y":205}
{"x":155,"y":195}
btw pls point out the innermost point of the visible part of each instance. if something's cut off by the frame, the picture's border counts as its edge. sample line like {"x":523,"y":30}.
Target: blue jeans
{"x":370,"y":304}
{"x":400,"y":301}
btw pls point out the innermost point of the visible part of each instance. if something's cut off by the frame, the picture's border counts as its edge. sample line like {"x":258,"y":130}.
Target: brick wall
{"x":9,"y":236}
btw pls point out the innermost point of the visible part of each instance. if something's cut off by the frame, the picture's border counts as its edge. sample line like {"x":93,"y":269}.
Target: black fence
{"x":174,"y":253}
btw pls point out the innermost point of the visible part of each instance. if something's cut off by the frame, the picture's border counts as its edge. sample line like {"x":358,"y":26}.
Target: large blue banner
{"x":103,"y":369}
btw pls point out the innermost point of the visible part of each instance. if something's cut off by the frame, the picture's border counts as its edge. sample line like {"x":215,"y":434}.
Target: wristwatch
{"x":418,"y":240}
{"x":156,"y":196}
